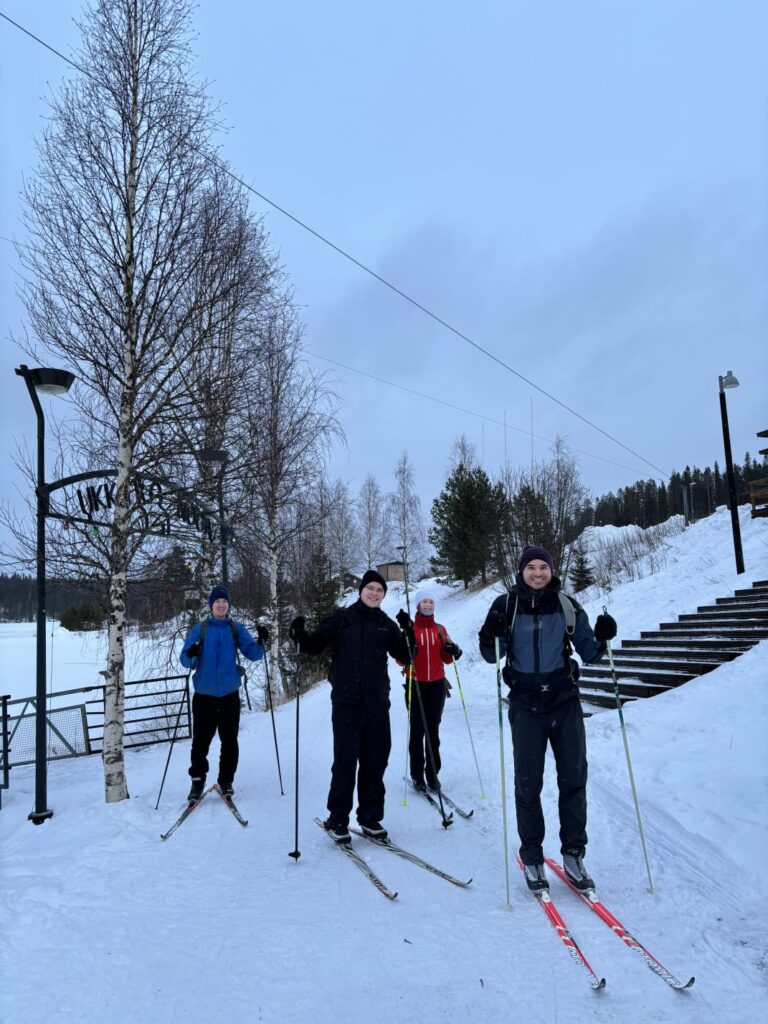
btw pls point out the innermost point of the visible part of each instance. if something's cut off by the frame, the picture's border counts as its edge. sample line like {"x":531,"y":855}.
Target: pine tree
{"x":581,"y":575}
{"x":467,"y":517}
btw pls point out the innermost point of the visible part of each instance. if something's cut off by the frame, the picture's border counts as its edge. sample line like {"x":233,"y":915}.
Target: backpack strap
{"x":233,"y":630}
{"x":569,"y":612}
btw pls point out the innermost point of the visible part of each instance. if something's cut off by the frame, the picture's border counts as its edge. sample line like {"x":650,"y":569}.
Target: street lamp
{"x":51,"y":382}
{"x":729,"y":381}
{"x":221,"y":457}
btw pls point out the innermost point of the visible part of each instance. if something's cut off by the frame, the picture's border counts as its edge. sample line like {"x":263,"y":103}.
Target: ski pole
{"x":295,"y":853}
{"x":503,"y":773}
{"x":245,"y":687}
{"x":407,"y":737}
{"x":447,"y":821}
{"x":272,"y":713}
{"x":184,"y":697}
{"x":629,"y":762}
{"x":471,"y":742}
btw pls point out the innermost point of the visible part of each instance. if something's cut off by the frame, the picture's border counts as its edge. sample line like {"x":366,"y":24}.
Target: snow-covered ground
{"x":103,"y":922}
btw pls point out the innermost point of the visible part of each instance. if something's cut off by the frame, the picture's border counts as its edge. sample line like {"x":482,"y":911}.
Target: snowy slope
{"x":103,"y":922}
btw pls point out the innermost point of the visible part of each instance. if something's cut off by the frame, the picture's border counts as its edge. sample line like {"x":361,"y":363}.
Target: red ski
{"x":590,"y":898}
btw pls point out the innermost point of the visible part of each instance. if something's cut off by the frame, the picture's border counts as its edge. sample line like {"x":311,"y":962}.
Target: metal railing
{"x":77,"y":729}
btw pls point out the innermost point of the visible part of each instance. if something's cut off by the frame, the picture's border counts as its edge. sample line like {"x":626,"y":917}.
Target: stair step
{"x":628,"y":688}
{"x":758,"y":589}
{"x":689,"y":665}
{"x":729,"y":616}
{"x":602,"y":700}
{"x":744,"y":608}
{"x":663,"y":641}
{"x":713,"y":656}
{"x":754,"y":599}
{"x":719,"y":629}
{"x":647,"y":675}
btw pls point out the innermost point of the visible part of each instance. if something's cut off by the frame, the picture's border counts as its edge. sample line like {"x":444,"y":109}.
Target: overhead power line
{"x":366,"y":269}
{"x":468,"y":412}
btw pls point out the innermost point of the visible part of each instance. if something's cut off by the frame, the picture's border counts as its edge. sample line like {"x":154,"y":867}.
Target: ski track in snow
{"x":101,"y":921}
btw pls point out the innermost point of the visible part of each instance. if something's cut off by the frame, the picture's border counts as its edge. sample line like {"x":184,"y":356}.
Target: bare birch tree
{"x":120,"y":225}
{"x":544,"y":505}
{"x":404,"y":518}
{"x":288,"y":426}
{"x":372,"y":523}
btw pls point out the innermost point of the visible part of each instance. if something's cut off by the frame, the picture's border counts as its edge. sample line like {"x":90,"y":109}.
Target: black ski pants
{"x":361,"y":744}
{"x":563,"y":728}
{"x":210,"y":714}
{"x":433,"y":702}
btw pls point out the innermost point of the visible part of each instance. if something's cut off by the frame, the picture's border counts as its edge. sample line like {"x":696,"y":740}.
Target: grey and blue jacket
{"x":539,"y":669}
{"x":216,"y":670}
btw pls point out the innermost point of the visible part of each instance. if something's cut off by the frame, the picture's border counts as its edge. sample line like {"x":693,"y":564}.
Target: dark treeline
{"x":148,"y":600}
{"x":695,"y":492}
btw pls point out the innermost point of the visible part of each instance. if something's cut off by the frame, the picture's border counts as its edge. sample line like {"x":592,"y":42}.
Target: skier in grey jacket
{"x":535,"y":628}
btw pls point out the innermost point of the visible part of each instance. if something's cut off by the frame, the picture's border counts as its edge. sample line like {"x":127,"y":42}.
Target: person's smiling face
{"x":537,"y":574}
{"x":372,"y":595}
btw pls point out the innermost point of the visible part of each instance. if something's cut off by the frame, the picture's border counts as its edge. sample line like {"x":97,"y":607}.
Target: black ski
{"x":448,"y":819}
{"x":414,"y":858}
{"x":186,"y":813}
{"x":461,"y":813}
{"x":231,"y":805}
{"x":360,"y":863}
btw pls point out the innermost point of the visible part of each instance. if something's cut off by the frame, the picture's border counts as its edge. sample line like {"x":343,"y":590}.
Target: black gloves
{"x":605,"y":627}
{"x":296,"y":631}
{"x":404,"y":621}
{"x":495,"y":624}
{"x":262,"y":634}
{"x":193,"y":651}
{"x":453,"y":649}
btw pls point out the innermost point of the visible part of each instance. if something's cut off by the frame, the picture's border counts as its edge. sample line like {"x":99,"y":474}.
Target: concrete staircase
{"x":682,"y":650}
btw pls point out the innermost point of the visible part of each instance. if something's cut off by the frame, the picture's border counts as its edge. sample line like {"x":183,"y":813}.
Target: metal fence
{"x":4,"y":772}
{"x":152,"y":715}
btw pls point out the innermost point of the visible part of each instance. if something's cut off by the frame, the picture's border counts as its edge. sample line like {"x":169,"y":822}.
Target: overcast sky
{"x":580,"y":188}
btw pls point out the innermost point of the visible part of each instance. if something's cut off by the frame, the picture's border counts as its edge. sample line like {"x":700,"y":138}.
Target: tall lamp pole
{"x":222,"y":458}
{"x":52,"y":382}
{"x":729,"y":381}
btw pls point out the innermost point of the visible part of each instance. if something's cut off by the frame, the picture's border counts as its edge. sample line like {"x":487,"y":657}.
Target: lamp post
{"x":221,"y":457}
{"x":729,"y":381}
{"x":51,"y":382}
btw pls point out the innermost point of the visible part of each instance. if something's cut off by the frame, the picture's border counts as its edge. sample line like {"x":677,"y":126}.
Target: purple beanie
{"x":532,"y":553}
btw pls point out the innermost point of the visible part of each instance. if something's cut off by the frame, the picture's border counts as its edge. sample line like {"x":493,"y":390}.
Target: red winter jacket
{"x":431,"y":638}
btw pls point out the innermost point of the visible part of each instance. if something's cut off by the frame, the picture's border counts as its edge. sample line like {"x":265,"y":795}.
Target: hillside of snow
{"x":101,"y":921}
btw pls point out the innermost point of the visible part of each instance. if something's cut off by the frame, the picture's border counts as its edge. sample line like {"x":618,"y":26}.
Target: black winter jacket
{"x":361,"y":638}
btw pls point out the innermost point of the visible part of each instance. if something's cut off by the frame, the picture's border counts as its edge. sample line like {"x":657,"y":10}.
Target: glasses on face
{"x":374,"y":588}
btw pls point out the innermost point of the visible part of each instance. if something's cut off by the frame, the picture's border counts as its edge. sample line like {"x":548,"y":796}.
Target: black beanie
{"x":371,"y":576}
{"x":536,"y":552}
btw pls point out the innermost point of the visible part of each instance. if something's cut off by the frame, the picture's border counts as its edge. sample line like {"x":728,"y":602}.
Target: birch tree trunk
{"x":132,"y":258}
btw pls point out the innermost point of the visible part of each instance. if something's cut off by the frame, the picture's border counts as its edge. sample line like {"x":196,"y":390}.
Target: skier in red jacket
{"x":434,"y":650}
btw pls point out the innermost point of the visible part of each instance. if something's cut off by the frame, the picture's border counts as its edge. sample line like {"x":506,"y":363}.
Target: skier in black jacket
{"x":361,"y":637}
{"x":532,"y":627}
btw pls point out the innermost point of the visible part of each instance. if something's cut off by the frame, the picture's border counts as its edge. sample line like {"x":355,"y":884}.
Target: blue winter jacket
{"x":539,"y":668}
{"x":216,"y":671}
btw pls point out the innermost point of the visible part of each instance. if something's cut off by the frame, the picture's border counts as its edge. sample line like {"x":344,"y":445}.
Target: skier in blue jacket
{"x":210,"y":650}
{"x":531,"y":623}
